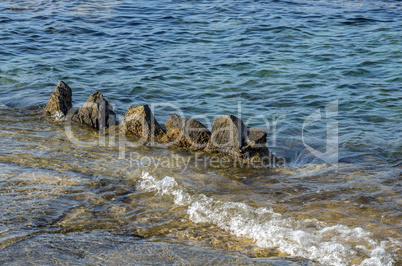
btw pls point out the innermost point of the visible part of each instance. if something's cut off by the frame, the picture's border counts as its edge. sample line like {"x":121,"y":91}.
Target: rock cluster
{"x":229,"y":136}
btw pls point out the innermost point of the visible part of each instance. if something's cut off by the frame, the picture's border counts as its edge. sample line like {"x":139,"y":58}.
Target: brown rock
{"x":96,"y":112}
{"x":247,"y":145}
{"x":139,"y":121}
{"x":174,"y":122}
{"x":60,"y":100}
{"x":228,"y":135}
{"x":256,"y":138}
{"x":187,"y":132}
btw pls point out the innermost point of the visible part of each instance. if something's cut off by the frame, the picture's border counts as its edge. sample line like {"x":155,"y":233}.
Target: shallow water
{"x":322,"y":78}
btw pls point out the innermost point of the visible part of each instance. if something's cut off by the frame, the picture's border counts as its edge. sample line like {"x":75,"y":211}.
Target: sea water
{"x":323,"y":78}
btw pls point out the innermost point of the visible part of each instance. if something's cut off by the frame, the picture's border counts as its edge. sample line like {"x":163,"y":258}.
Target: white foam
{"x":59,"y":116}
{"x":308,"y":238}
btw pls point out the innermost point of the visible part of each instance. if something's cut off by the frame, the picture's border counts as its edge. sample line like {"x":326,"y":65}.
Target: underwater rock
{"x":60,"y":101}
{"x":96,"y":112}
{"x":188,"y":133}
{"x":139,"y":121}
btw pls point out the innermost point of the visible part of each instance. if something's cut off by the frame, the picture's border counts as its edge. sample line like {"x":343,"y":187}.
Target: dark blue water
{"x":289,"y":67}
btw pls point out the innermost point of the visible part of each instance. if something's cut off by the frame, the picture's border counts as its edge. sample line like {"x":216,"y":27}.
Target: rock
{"x":174,"y":122}
{"x":96,"y":112}
{"x":60,"y":101}
{"x":139,"y":121}
{"x":255,"y":152}
{"x":188,"y":133}
{"x":174,"y":132}
{"x":247,"y":145}
{"x":228,"y":135}
{"x":256,"y":138}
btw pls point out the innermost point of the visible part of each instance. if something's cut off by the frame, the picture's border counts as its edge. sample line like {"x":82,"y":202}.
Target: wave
{"x":307,"y":238}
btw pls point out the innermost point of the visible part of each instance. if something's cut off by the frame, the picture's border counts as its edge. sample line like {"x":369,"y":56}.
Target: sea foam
{"x":307,"y":238}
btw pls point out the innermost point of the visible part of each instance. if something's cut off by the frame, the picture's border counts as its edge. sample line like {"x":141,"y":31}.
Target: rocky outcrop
{"x":188,"y":133}
{"x":228,"y":136}
{"x":96,"y":112}
{"x":231,"y":137}
{"x":140,"y":122}
{"x":60,"y":101}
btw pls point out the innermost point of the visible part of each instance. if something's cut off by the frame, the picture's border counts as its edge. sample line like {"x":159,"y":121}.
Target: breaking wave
{"x":307,"y":238}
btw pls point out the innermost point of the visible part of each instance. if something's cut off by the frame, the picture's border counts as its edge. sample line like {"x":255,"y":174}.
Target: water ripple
{"x":284,"y":58}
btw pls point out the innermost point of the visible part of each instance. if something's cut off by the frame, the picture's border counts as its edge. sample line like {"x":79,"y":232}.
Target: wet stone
{"x":231,"y":137}
{"x":140,"y":122}
{"x":256,"y":138}
{"x":188,"y":133}
{"x":228,"y":135}
{"x":60,"y":101}
{"x":96,"y":112}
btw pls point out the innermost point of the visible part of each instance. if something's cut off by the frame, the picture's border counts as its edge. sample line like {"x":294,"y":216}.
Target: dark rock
{"x":256,"y":138}
{"x":139,"y":121}
{"x":255,"y":151}
{"x":228,"y":135}
{"x":187,"y":132}
{"x":96,"y":112}
{"x":60,"y":101}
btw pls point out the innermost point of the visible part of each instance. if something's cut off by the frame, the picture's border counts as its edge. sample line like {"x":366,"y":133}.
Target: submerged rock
{"x":140,"y":122}
{"x":60,"y":101}
{"x":96,"y":112}
{"x":188,"y":133}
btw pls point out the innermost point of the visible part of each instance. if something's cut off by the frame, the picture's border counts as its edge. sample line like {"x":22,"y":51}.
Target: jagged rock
{"x":96,"y":112}
{"x":174,"y":122}
{"x":187,"y":132}
{"x":256,"y":138}
{"x":139,"y":121}
{"x":60,"y":101}
{"x":255,"y":150}
{"x":228,"y":135}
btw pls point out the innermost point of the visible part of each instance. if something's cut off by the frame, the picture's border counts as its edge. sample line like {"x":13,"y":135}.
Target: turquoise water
{"x":294,"y":68}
